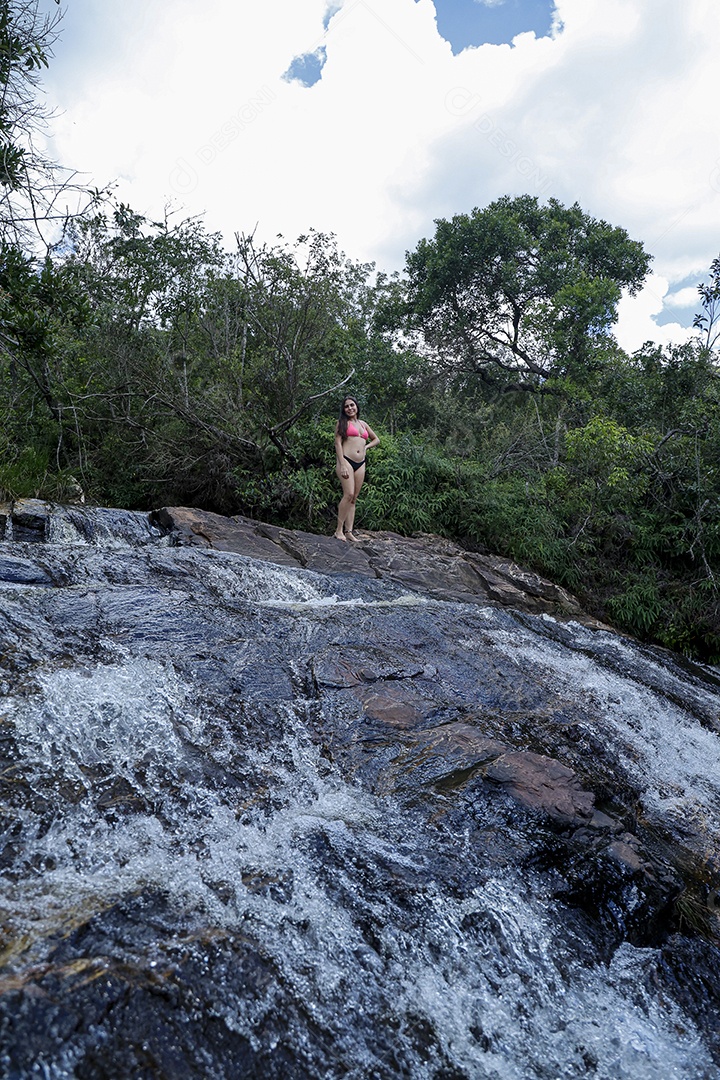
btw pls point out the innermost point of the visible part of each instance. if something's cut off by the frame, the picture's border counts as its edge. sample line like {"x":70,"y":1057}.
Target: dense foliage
{"x":520,"y":292}
{"x":145,"y":363}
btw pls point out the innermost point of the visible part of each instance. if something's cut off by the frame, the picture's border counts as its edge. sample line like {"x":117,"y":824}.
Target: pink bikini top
{"x":352,"y":430}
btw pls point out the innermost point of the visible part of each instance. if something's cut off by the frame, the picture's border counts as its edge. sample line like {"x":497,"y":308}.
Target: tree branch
{"x":278,"y":429}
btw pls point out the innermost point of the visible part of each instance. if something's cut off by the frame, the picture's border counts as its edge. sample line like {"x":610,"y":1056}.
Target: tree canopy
{"x":521,"y":292}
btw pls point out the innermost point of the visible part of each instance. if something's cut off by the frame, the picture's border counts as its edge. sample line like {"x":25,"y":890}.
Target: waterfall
{"x":243,"y":834}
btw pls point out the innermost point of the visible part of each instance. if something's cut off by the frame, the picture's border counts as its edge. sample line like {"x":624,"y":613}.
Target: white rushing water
{"x":150,"y":775}
{"x":672,"y":756}
{"x":232,"y":867}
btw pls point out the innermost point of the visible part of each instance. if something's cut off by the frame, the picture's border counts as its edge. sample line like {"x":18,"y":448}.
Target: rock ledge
{"x":429,"y":564}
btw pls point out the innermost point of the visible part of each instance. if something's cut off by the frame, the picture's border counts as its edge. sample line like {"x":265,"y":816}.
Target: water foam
{"x":662,"y":745}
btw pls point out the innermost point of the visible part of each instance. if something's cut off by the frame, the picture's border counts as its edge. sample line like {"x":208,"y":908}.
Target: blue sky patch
{"x":307,"y":69}
{"x":682,"y":302}
{"x":466,"y":23}
{"x":462,"y":23}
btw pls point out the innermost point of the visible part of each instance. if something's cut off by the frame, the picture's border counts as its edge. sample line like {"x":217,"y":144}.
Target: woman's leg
{"x":347,"y":503}
{"x":350,"y":518}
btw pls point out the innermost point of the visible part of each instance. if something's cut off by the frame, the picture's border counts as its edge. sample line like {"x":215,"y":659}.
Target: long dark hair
{"x":342,"y":419}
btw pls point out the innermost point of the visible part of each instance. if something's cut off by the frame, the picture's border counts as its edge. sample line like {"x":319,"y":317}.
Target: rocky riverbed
{"x":279,"y":806}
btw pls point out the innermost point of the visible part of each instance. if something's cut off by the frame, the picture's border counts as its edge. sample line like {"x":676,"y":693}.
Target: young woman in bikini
{"x":353,"y":438}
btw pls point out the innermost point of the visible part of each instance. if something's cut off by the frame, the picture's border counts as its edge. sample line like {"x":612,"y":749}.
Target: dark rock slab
{"x":445,"y":757}
{"x":195,"y":528}
{"x":393,"y":704}
{"x":631,"y":891}
{"x":257,"y":713}
{"x":495,"y":571}
{"x":31,"y":520}
{"x":22,"y":571}
{"x":330,"y":670}
{"x":323,"y":554}
{"x":430,"y":563}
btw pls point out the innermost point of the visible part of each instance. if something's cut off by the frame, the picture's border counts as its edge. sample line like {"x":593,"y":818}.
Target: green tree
{"x":38,"y":296}
{"x":38,"y":299}
{"x":521,"y":292}
{"x":299,"y":302}
{"x":708,"y":320}
{"x":201,"y":366}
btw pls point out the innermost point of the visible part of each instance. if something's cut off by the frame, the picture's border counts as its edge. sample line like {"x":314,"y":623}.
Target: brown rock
{"x":324,"y":554}
{"x":445,"y":756}
{"x":200,"y":528}
{"x":626,"y":850}
{"x":395,"y":704}
{"x":429,"y":564}
{"x":544,"y":784}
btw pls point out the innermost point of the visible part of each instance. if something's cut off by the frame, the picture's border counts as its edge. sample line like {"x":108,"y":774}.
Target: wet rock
{"x":680,"y":968}
{"x":22,"y":571}
{"x":632,"y":894}
{"x":428,"y":564}
{"x":332,"y":669}
{"x":119,"y":793}
{"x":31,"y":520}
{"x":331,"y":672}
{"x":604,"y":822}
{"x":444,"y":758}
{"x":393,"y":705}
{"x":626,"y":852}
{"x":323,"y":554}
{"x":543,"y":784}
{"x":160,"y":1018}
{"x":263,"y":821}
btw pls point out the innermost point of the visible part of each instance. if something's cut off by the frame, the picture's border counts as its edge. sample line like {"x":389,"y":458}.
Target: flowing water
{"x":207,"y":873}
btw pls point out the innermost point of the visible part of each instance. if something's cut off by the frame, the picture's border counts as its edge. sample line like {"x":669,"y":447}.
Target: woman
{"x":353,"y":438}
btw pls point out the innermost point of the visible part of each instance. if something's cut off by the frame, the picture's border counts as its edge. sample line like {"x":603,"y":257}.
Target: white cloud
{"x":616,"y":111}
{"x":684,"y":298}
{"x":636,"y":318}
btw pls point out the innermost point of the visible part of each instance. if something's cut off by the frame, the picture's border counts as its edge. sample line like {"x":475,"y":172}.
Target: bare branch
{"x":284,"y":425}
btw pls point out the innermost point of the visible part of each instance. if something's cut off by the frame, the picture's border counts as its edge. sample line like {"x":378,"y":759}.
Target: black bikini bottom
{"x":355,"y":464}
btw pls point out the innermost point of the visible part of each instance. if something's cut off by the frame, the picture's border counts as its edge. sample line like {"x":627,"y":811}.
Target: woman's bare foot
{"x":340,"y":537}
{"x":350,"y":536}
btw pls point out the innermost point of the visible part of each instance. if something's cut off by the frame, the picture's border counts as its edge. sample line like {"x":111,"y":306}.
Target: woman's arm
{"x":373,"y":438}
{"x":342,"y":466}
{"x":338,"y":445}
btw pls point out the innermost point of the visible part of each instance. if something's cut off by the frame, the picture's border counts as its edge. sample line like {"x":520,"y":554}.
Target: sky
{"x":371,"y":119}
